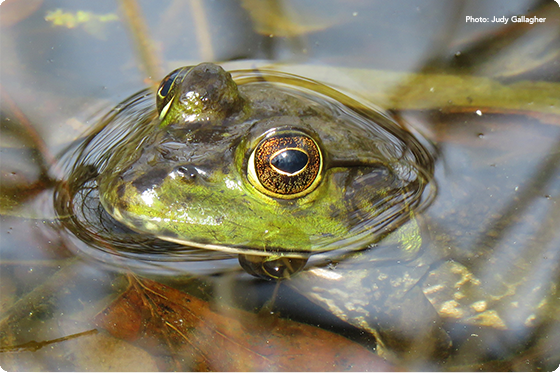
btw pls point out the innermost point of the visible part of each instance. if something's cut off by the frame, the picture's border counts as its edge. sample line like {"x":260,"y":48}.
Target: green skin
{"x":210,"y":126}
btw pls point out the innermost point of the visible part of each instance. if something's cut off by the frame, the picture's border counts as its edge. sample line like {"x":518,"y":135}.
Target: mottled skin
{"x":187,"y":177}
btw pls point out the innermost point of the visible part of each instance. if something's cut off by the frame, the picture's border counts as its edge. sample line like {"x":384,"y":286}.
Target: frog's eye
{"x":285,"y":165}
{"x":164,"y":98}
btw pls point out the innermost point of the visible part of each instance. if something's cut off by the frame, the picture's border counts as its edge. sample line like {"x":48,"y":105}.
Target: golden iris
{"x":286,"y":164}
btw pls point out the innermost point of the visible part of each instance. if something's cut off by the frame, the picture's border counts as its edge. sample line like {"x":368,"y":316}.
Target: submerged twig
{"x":33,"y":135}
{"x":34,"y":346}
{"x":150,"y":61}
{"x":202,"y":31}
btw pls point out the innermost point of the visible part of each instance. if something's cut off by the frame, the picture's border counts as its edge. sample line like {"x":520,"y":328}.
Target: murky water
{"x":482,"y":292}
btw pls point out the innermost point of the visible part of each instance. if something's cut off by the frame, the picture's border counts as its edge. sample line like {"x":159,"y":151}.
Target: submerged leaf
{"x":274,"y":18}
{"x":392,"y":90}
{"x":187,"y":333}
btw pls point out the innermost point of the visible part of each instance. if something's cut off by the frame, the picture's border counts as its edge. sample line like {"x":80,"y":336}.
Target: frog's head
{"x":260,"y":171}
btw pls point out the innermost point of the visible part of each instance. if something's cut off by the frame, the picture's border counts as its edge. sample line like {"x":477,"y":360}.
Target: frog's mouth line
{"x":238,"y":250}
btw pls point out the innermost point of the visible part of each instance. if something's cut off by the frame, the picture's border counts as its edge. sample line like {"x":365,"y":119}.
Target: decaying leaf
{"x":186,"y":333}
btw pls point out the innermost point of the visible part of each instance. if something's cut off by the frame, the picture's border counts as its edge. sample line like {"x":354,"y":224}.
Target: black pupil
{"x":290,"y":161}
{"x":167,"y":83}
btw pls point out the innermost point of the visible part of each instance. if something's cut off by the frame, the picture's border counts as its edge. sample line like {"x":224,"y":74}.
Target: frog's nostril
{"x":187,"y":173}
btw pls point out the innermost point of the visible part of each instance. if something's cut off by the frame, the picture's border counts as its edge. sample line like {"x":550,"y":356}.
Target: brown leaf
{"x":170,"y":323}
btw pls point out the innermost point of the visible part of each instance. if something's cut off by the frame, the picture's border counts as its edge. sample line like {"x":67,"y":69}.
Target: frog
{"x":302,"y":185}
{"x":273,"y":173}
{"x":295,"y":180}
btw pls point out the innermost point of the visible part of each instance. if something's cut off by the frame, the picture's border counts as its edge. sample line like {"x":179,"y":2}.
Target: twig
{"x":38,"y":142}
{"x":34,"y":346}
{"x":202,"y":31}
{"x":151,"y":63}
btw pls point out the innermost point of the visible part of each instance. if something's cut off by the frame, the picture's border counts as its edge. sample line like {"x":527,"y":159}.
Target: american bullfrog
{"x":276,"y":169}
{"x":274,"y":173}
